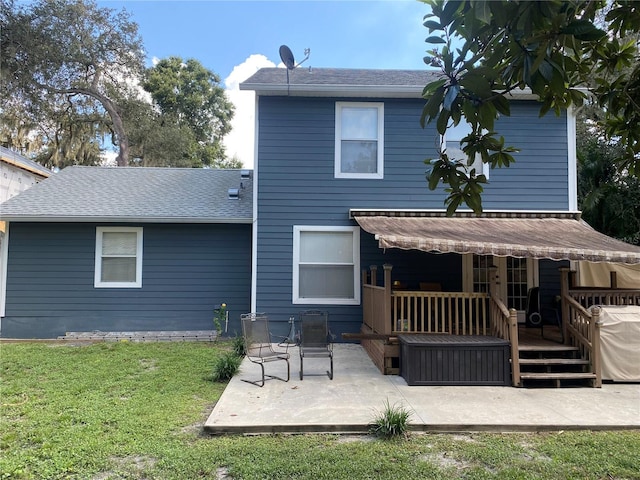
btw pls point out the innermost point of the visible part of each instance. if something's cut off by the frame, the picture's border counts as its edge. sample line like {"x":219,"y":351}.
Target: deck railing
{"x":455,"y":313}
{"x":374,"y":310}
{"x":591,"y":296}
{"x":504,"y":324}
{"x":584,"y":332}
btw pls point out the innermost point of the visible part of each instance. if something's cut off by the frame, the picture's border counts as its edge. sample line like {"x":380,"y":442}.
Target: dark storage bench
{"x":454,"y":360}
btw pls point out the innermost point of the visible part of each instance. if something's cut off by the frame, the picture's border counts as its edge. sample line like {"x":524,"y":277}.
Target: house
{"x":126,"y":249}
{"x":17,"y":173}
{"x":336,"y":216}
{"x":340,"y":186}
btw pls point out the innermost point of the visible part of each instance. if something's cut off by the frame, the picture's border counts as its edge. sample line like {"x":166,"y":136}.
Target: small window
{"x":359,"y":140}
{"x":118,"y":257}
{"x":451,"y":143}
{"x":326,"y":265}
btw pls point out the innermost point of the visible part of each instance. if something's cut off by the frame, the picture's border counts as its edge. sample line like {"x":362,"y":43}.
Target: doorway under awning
{"x":550,"y":235}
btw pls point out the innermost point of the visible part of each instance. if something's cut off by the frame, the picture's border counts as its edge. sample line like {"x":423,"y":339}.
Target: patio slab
{"x":358,"y":391}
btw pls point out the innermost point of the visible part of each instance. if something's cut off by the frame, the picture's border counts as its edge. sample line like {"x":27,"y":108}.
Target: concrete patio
{"x":358,"y":391}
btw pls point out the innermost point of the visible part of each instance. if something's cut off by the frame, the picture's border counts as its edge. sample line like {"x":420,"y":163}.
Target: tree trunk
{"x":110,"y":106}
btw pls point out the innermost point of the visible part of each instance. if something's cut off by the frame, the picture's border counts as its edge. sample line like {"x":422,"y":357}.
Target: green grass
{"x":130,"y":411}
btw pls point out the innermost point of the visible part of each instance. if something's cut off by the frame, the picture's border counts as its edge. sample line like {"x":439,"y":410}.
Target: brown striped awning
{"x":532,"y":235}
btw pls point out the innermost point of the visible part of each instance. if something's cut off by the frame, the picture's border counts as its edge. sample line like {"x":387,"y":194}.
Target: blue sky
{"x":235,"y":38}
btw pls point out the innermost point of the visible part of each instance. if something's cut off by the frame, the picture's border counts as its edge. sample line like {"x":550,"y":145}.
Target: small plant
{"x":238,"y":346}
{"x":219,"y":316}
{"x":225,"y":367}
{"x":392,"y":422}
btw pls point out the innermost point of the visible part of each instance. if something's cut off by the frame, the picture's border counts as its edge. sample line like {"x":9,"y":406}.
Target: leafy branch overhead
{"x":562,"y":52}
{"x":72,"y":76}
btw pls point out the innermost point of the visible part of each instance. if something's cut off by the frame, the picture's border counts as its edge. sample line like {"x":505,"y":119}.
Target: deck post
{"x":564,"y":305}
{"x":613,"y":278}
{"x":387,"y":297}
{"x":594,"y":333}
{"x":494,"y":284}
{"x":374,"y":274}
{"x":515,"y":351}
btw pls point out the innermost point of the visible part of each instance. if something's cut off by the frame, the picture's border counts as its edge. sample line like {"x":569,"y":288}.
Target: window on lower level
{"x":326,"y":265}
{"x":359,"y":145}
{"x":118,"y":257}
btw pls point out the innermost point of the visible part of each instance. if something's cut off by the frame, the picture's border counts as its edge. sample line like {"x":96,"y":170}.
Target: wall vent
{"x":245,"y":174}
{"x":234,"y":193}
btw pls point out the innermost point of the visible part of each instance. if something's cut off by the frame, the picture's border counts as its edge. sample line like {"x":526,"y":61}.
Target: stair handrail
{"x":504,"y":323}
{"x":583,"y":327}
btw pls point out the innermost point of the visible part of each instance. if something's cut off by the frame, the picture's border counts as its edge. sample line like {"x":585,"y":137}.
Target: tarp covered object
{"x":620,"y":343}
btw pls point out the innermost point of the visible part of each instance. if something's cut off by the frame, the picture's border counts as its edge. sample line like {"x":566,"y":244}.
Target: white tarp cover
{"x":620,"y":343}
{"x":599,"y":275}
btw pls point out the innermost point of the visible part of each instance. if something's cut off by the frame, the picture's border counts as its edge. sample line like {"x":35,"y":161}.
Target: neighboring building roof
{"x":136,"y":194}
{"x":24,"y":163}
{"x":342,"y":82}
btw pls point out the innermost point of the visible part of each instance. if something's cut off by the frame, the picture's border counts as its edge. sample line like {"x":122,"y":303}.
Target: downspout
{"x":572,"y":161}
{"x":254,"y":222}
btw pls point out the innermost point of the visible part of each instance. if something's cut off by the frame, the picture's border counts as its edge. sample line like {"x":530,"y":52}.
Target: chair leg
{"x":301,"y":366}
{"x":331,"y":372}
{"x":270,"y":377}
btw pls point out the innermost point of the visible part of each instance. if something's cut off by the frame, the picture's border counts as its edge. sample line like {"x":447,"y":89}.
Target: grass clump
{"x":391,"y":422}
{"x":226,"y":366}
{"x":238,"y":346}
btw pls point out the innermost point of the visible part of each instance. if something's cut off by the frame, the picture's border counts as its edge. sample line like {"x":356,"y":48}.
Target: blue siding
{"x":187,"y":271}
{"x":296,"y":186}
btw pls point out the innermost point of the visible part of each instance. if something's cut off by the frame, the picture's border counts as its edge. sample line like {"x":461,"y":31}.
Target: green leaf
{"x":435,"y":39}
{"x":432,"y":25}
{"x":583,"y":30}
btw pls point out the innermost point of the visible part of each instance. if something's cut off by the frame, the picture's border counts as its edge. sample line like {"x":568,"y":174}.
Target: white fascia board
{"x":368,"y":91}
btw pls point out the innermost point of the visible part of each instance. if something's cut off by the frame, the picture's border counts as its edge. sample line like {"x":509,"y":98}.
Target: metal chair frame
{"x":315,"y":339}
{"x":259,"y":346}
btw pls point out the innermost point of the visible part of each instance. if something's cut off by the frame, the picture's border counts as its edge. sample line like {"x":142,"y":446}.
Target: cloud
{"x":240,"y":141}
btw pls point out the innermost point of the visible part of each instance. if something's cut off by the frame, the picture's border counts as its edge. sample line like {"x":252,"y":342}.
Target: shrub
{"x":238,"y":346}
{"x":226,"y":366}
{"x":392,"y":422}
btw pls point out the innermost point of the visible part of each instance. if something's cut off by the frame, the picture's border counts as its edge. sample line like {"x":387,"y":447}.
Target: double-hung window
{"x":118,"y":257}
{"x":359,"y":145}
{"x":326,"y":265}
{"x":451,"y":143}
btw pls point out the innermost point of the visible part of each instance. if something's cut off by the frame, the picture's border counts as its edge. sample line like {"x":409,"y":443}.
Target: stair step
{"x":547,"y":348}
{"x":557,"y":376}
{"x":553,"y":361}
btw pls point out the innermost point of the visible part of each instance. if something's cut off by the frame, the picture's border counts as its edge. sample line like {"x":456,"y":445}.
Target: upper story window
{"x":359,"y":140}
{"x":118,"y":257}
{"x":451,"y":143}
{"x":326,"y":265}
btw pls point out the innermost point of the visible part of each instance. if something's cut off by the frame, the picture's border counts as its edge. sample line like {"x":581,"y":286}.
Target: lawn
{"x":134,"y":410}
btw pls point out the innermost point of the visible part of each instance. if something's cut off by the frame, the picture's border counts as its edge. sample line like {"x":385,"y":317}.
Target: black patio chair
{"x":258,"y":344}
{"x":535,"y":316}
{"x":315,"y":338}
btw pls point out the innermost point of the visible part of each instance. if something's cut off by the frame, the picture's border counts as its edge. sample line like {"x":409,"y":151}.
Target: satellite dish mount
{"x":289,"y":61}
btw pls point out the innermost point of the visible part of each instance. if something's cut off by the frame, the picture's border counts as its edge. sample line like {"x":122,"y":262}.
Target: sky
{"x":236,"y":38}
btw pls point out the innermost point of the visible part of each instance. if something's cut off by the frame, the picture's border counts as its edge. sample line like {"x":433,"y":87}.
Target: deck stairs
{"x":545,"y":363}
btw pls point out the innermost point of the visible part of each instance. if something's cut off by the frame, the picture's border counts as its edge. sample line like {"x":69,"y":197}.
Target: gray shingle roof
{"x":337,"y":81}
{"x":120,"y":194}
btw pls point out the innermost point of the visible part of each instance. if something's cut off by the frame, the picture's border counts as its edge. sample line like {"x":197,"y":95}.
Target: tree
{"x":190,"y":99}
{"x":487,"y":49}
{"x":71,"y":57}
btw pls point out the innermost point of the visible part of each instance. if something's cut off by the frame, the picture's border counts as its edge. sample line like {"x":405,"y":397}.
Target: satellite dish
{"x":287,"y":57}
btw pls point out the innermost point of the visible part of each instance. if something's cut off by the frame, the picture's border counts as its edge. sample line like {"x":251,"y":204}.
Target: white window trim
{"x":98,"y":283}
{"x":338,"y":140}
{"x":297,"y":229}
